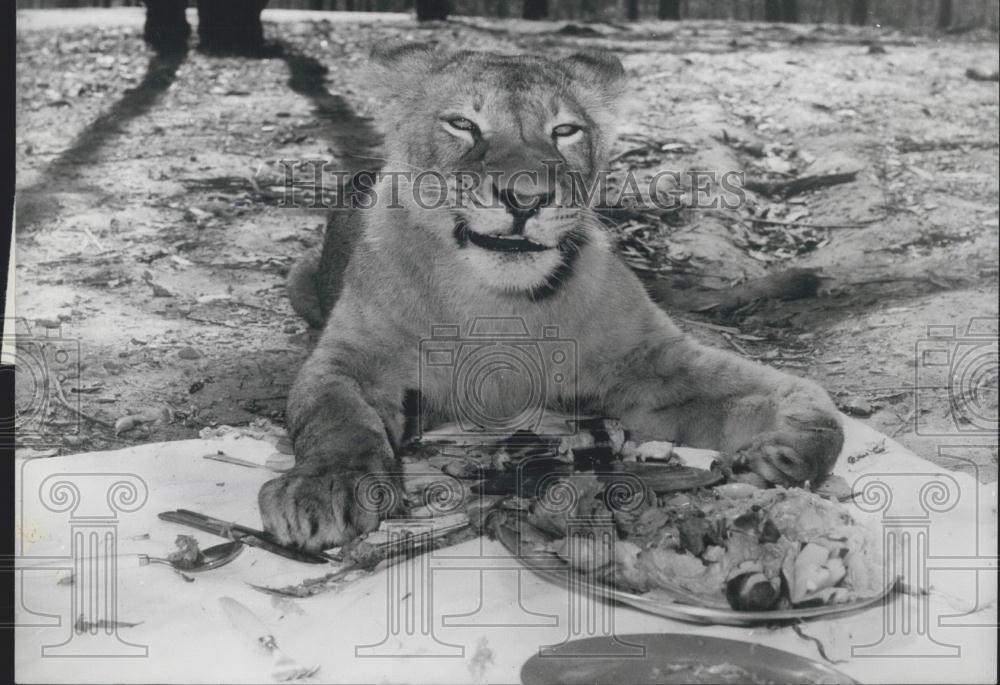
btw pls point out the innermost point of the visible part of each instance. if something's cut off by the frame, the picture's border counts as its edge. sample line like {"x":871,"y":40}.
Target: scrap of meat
{"x":730,"y":547}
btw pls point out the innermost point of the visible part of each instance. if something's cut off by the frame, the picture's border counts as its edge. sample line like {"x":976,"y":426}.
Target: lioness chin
{"x":528,"y":251}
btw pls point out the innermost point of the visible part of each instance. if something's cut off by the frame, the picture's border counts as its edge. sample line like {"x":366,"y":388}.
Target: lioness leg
{"x":343,"y":429}
{"x":784,"y":428}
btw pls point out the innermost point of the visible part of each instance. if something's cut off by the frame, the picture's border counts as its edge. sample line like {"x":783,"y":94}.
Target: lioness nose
{"x":523,"y":205}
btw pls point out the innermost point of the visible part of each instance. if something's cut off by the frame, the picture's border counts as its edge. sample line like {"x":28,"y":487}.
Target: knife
{"x":248,"y":536}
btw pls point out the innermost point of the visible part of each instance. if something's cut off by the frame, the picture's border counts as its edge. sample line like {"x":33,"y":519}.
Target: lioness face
{"x":501,"y":154}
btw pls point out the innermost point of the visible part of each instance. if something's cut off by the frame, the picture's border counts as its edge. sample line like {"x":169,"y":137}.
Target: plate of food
{"x":733,"y":554}
{"x":674,"y":658}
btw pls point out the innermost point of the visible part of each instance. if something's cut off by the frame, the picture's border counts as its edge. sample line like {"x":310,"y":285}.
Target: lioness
{"x":533,"y":255}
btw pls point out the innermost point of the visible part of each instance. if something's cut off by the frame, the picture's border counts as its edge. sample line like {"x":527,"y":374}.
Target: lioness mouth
{"x":511,"y":243}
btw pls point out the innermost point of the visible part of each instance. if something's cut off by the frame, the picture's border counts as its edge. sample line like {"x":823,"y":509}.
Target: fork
{"x":283,"y":667}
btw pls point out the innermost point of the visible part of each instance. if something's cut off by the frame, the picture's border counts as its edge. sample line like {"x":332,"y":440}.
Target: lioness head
{"x":495,"y":150}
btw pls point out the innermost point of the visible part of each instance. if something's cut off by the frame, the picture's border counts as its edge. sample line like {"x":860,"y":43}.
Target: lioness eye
{"x":565,"y":130}
{"x":463,"y":124}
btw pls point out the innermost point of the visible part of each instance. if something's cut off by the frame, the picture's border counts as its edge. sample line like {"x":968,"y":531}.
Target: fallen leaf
{"x":82,"y":626}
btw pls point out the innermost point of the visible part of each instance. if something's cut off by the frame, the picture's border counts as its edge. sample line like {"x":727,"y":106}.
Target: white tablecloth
{"x":477,"y":618}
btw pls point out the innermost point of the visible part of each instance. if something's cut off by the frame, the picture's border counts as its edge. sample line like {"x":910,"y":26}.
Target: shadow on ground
{"x":33,"y":202}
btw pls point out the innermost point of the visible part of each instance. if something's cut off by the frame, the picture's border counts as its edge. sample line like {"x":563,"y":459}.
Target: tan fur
{"x":409,"y":272}
{"x":303,"y":292}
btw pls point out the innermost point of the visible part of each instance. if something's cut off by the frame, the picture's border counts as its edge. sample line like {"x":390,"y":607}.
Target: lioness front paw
{"x":802,"y":451}
{"x":318,"y":507}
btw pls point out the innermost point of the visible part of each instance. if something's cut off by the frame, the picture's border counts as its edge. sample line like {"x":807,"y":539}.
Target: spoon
{"x":212,"y":557}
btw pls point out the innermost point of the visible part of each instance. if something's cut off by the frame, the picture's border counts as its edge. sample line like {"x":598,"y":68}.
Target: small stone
{"x":857,"y":406}
{"x":189,"y":353}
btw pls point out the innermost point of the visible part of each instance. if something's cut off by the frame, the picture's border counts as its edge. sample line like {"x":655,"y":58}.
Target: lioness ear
{"x":397,"y":67}
{"x":598,"y":69}
{"x":601,"y":85}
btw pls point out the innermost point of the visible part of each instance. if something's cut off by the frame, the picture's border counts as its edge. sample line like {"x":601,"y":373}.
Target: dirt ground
{"x":151,"y":249}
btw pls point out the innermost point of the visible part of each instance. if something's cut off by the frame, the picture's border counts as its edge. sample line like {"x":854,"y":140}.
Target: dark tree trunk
{"x":944,"y":17}
{"x":166,"y":28}
{"x":231,"y":26}
{"x":632,"y":8}
{"x":536,"y":9}
{"x":781,"y":10}
{"x":790,"y":11}
{"x":432,"y":10}
{"x":669,"y":10}
{"x":859,"y":12}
